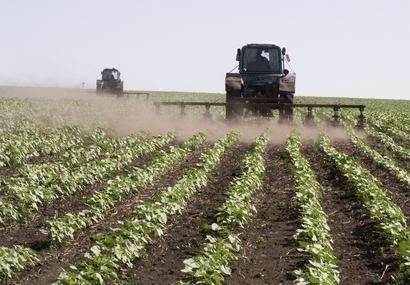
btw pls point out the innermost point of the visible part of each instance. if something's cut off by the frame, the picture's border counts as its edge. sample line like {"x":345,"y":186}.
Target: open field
{"x":100,"y":190}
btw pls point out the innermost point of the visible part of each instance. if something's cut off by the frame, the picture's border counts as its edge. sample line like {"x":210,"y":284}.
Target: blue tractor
{"x":262,"y":83}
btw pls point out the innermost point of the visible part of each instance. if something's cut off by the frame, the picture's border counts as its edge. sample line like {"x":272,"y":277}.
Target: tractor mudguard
{"x":287,"y":83}
{"x":233,"y":82}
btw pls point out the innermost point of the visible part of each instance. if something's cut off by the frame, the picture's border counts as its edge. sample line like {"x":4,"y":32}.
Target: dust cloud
{"x":126,"y":115}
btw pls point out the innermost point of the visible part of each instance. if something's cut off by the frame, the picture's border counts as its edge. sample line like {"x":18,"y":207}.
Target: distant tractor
{"x":110,"y":82}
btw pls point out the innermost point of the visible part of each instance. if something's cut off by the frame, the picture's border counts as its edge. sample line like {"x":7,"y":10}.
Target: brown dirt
{"x":7,"y":171}
{"x":184,"y":237}
{"x":363,"y":253}
{"x":54,"y":260}
{"x":270,"y":251}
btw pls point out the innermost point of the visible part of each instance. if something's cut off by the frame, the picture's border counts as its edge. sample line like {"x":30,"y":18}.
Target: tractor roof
{"x":261,"y":45}
{"x":111,"y":69}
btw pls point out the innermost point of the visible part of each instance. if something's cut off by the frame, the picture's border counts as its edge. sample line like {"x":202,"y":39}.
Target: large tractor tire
{"x":99,"y":86}
{"x":286,"y":113}
{"x":232,"y":111}
{"x":233,"y":86}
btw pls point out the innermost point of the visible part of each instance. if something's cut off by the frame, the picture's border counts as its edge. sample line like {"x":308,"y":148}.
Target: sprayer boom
{"x":263,"y":84}
{"x":270,"y":104}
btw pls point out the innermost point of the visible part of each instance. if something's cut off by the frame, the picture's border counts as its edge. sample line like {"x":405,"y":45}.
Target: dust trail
{"x":126,"y":115}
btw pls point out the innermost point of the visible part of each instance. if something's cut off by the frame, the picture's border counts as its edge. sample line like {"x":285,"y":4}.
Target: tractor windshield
{"x":109,"y":74}
{"x":259,"y":59}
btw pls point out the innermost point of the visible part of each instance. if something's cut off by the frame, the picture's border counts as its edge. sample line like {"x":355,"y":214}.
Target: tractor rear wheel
{"x":286,"y":113}
{"x":232,"y":111}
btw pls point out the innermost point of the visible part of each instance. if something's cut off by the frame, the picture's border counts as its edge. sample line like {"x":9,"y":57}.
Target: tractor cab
{"x":110,"y":74}
{"x":262,"y":82}
{"x":258,"y":58}
{"x":110,"y":82}
{"x":262,"y":73}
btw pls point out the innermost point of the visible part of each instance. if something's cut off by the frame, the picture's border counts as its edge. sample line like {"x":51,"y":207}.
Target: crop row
{"x":119,"y":248}
{"x":397,"y":120}
{"x":28,"y":198}
{"x":123,"y":186}
{"x":383,"y":161}
{"x":44,"y":173}
{"x":389,"y":143}
{"x":314,"y":237}
{"x":223,"y":245}
{"x":390,"y":218}
{"x":12,"y":260}
{"x":391,"y":128}
{"x":25,"y":144}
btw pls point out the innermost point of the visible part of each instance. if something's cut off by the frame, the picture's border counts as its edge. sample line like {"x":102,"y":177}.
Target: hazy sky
{"x":338,"y":48}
